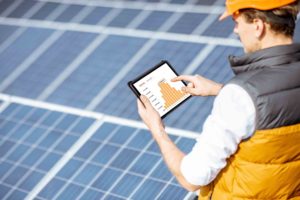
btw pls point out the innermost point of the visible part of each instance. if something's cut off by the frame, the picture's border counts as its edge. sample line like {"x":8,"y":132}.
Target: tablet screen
{"x":156,"y":85}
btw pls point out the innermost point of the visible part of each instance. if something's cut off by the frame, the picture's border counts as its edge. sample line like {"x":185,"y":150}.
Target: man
{"x":250,"y":144}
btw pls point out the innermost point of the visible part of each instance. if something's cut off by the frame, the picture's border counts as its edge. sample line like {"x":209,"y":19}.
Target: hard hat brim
{"x":224,"y":15}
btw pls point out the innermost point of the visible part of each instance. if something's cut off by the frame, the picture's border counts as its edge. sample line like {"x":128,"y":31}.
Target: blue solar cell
{"x":141,"y":168}
{"x":71,"y":192}
{"x":6,"y":127}
{"x":69,"y":13}
{"x":5,"y":32}
{"x":96,"y":71}
{"x":5,"y":147}
{"x":162,"y":172}
{"x":220,"y":29}
{"x":20,"y":49}
{"x":106,"y":179}
{"x":46,"y":10}
{"x":20,"y":131}
{"x":141,"y":139}
{"x":50,"y":64}
{"x":126,"y":185}
{"x":35,"y":135}
{"x":17,"y":194}
{"x":92,"y":194}
{"x":185,"y":144}
{"x":33,"y":157}
{"x":104,"y":131}
{"x":111,"y":197}
{"x":18,"y":153}
{"x":51,"y":137}
{"x":66,"y":122}
{"x":149,"y":190}
{"x":88,"y":174}
{"x":124,"y":18}
{"x":96,"y":15}
{"x":66,"y":143}
{"x":51,"y":118}
{"x":105,"y":154}
{"x":49,"y":161}
{"x":36,"y":115}
{"x":87,"y":149}
{"x":178,"y":1}
{"x":3,"y":190}
{"x":51,"y":189}
{"x":206,"y":2}
{"x":173,"y":192}
{"x":24,"y":7}
{"x":31,"y":180}
{"x":121,"y":136}
{"x":122,"y":163}
{"x":4,"y":5}
{"x":22,"y":112}
{"x":69,"y":169}
{"x":15,"y":175}
{"x":4,"y":167}
{"x":155,"y":20}
{"x":187,"y":23}
{"x":82,"y":125}
{"x":9,"y":110}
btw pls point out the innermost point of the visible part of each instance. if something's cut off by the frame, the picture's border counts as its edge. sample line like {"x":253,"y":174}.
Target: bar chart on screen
{"x":170,"y":94}
{"x":163,"y":94}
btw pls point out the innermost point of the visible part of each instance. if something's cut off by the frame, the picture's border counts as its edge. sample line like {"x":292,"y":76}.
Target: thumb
{"x":145,"y":101}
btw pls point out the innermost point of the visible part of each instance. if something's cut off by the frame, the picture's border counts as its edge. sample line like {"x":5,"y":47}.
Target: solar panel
{"x":80,"y":54}
{"x":34,"y":140}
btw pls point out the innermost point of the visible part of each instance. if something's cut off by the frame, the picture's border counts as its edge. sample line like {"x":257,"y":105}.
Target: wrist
{"x":217,"y":88}
{"x":158,"y":133}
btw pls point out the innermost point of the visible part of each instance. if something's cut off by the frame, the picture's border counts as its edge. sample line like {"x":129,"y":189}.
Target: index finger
{"x":183,"y":78}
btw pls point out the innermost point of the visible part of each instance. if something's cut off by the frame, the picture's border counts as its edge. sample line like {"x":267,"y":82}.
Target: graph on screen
{"x":169,"y":94}
{"x":163,"y":94}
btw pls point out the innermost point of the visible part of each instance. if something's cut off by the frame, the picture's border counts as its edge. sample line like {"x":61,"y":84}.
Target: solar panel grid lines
{"x":127,"y":170}
{"x":165,"y":5}
{"x":11,"y":7}
{"x":73,"y":66}
{"x":110,"y":162}
{"x":30,"y":60}
{"x":27,"y":13}
{"x":22,"y":158}
{"x":130,"y":64}
{"x":108,"y":118}
{"x":20,"y":30}
{"x":15,"y":114}
{"x":34,"y":56}
{"x":148,"y":175}
{"x":67,"y":156}
{"x":122,"y":32}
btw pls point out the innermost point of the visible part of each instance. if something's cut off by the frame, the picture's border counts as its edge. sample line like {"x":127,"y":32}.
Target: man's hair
{"x":281,"y":20}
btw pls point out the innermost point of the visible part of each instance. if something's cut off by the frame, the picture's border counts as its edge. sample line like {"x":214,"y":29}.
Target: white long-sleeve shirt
{"x":232,"y":119}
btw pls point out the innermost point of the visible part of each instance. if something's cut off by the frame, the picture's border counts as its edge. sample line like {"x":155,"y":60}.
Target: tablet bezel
{"x":137,"y":93}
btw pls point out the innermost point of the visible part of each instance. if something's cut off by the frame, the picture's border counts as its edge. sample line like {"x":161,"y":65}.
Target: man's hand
{"x":149,"y":115}
{"x":199,"y":86}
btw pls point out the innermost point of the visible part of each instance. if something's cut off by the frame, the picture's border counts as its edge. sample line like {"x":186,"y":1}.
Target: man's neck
{"x":275,"y":40}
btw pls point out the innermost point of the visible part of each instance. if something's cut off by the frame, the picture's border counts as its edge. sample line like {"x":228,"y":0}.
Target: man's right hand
{"x":199,"y":86}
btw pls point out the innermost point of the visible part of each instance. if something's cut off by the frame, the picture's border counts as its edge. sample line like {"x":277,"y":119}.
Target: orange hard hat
{"x":233,"y":6}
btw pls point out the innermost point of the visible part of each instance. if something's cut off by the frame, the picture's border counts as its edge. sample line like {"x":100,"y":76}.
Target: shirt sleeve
{"x":232,"y":119}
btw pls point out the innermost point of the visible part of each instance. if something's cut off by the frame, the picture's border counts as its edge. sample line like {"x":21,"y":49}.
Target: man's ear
{"x":260,"y":28}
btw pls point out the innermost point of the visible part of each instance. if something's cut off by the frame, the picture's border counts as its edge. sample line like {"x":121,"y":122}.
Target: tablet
{"x":156,"y":85}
